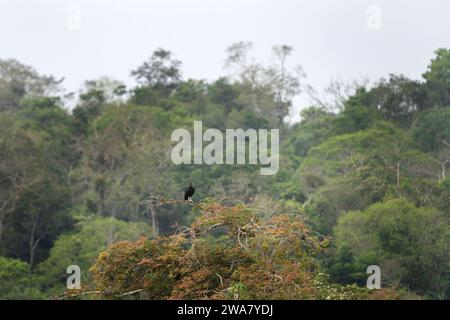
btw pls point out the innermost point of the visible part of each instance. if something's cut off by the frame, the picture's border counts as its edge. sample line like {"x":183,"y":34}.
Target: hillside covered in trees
{"x":363,"y":180}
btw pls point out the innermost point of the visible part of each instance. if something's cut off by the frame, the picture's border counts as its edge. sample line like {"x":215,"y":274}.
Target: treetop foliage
{"x":363,"y":180}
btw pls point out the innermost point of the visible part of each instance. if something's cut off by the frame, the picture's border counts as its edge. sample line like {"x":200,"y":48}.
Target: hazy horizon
{"x":330,"y":39}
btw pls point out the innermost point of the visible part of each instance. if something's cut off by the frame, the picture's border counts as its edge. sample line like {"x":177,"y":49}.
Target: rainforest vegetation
{"x":86,"y":179}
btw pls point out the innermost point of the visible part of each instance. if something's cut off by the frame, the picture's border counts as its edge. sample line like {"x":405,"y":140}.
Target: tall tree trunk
{"x":110,"y":238}
{"x":32,"y":244}
{"x":444,"y":164}
{"x":154,"y":221}
{"x":1,"y":227}
{"x":35,"y":240}
{"x":3,"y":213}
{"x":398,"y":174}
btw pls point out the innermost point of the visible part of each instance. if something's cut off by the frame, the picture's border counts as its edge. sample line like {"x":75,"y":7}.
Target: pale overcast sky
{"x":331,"y":38}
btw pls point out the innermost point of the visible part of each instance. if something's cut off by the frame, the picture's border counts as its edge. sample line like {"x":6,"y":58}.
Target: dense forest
{"x":86,"y":179}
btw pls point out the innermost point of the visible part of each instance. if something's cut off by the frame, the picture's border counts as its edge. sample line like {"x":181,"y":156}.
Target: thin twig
{"x":73,"y":295}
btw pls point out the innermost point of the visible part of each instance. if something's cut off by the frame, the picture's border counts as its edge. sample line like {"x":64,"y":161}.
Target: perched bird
{"x":189,"y":192}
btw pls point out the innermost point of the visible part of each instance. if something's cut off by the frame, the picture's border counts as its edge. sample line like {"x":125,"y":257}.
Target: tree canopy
{"x":363,"y":180}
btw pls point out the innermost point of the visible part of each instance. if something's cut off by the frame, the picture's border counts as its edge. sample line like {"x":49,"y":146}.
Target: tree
{"x":226,"y":253}
{"x":313,"y":128}
{"x":16,"y":283}
{"x":46,"y":117}
{"x":160,"y":71}
{"x":398,"y":99}
{"x":266,"y":90}
{"x":226,"y":94}
{"x":34,"y":193}
{"x":18,"y":81}
{"x":432,"y":134}
{"x":411,"y":245}
{"x":352,"y":171}
{"x":382,"y":151}
{"x":73,"y":185}
{"x":340,"y":195}
{"x":125,"y":160}
{"x":19,"y":168}
{"x":82,"y":247}
{"x":336,"y":93}
{"x":90,"y":105}
{"x":438,"y":79}
{"x":112,"y":90}
{"x":443,"y":198}
{"x":285,"y":84}
{"x":40,"y":216}
{"x":355,"y":117}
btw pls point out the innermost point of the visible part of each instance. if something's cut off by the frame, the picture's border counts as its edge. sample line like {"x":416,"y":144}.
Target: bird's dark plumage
{"x":189,"y":192}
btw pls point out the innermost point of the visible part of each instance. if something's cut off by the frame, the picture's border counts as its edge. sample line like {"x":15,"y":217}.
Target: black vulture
{"x":189,"y":192}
